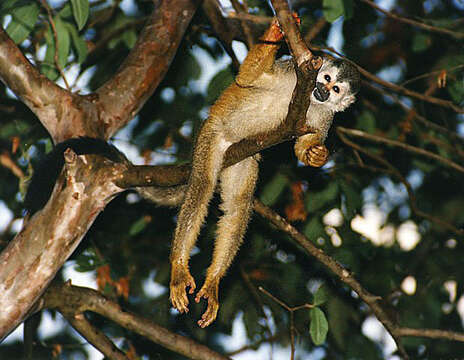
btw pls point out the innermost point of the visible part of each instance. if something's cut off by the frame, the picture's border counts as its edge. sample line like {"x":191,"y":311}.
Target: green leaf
{"x":48,"y":66}
{"x":22,"y":22}
{"x":80,"y":11}
{"x":138,"y":226}
{"x":64,"y":41}
{"x":366,"y":122}
{"x":333,"y":9}
{"x":321,"y":296}
{"x":353,"y":198}
{"x":7,"y":5}
{"x":314,"y":229}
{"x":273,"y":189}
{"x":421,"y":42}
{"x":317,"y":200}
{"x":319,"y":326}
{"x":129,"y":38}
{"x":79,"y":44}
{"x":218,"y":84}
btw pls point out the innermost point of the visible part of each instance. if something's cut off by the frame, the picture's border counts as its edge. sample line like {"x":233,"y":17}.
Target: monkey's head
{"x":337,"y":83}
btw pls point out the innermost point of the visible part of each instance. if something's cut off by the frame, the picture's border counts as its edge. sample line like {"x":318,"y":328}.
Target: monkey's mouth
{"x":320,"y":92}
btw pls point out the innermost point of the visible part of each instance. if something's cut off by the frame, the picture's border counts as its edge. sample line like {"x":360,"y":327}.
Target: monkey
{"x":256,"y":102}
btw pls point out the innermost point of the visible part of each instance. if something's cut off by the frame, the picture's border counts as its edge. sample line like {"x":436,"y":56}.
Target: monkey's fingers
{"x":209,"y":291}
{"x":317,"y":156}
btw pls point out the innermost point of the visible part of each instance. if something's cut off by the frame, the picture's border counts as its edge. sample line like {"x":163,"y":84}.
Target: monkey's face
{"x":332,"y":89}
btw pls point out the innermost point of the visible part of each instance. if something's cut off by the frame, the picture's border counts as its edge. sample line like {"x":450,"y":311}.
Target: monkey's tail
{"x":164,"y":196}
{"x":45,"y":175}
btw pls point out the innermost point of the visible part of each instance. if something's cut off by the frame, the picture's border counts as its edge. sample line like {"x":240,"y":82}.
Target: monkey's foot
{"x":180,"y":280}
{"x":209,"y":291}
{"x":273,"y":34}
{"x":316,"y":156}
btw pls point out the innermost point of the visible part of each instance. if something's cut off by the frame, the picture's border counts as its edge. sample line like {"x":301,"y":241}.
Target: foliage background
{"x":129,"y":243}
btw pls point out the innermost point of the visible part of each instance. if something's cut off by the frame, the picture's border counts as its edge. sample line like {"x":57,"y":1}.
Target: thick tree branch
{"x":120,"y":98}
{"x":76,"y":300}
{"x":32,"y":258}
{"x":46,"y":99}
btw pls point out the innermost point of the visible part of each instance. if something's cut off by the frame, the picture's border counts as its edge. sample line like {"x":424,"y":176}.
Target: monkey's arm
{"x":310,"y":150}
{"x":260,"y":58}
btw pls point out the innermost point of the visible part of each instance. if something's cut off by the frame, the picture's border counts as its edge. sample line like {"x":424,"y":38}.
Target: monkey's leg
{"x":207,"y":161}
{"x":237,"y":188}
{"x":261,"y":56}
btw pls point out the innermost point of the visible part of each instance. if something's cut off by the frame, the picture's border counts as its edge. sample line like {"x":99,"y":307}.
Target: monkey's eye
{"x":327,"y":78}
{"x":336,"y":89}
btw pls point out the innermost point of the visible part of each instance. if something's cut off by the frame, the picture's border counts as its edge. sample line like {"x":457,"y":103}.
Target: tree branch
{"x":342,"y":273}
{"x":93,"y":335}
{"x":33,"y":257}
{"x":407,"y":147}
{"x":46,"y":99}
{"x":76,"y":300}
{"x":421,"y":25}
{"x":431,"y":334}
{"x":146,"y":65}
{"x":390,"y":169}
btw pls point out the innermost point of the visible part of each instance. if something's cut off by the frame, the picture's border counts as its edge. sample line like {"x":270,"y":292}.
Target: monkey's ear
{"x":346,"y":101}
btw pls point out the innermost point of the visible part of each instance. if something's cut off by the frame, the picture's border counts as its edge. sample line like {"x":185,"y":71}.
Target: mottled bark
{"x":32,"y":259}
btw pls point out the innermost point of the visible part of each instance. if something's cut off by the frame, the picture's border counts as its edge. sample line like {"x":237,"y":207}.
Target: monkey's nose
{"x":320,"y":92}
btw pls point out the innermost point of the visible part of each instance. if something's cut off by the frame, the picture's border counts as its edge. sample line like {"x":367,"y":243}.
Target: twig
{"x":291,"y":310}
{"x":315,"y":29}
{"x":390,"y":169}
{"x":7,"y":161}
{"x":454,"y":34}
{"x":55,"y":37}
{"x":253,"y":345}
{"x":94,"y":336}
{"x":431,"y":334}
{"x":343,"y":274}
{"x":243,"y":9}
{"x":391,"y":142}
{"x":432,"y":73}
{"x":427,"y":123}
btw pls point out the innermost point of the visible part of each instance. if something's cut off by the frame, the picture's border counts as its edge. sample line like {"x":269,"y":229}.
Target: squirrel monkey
{"x":257,"y":101}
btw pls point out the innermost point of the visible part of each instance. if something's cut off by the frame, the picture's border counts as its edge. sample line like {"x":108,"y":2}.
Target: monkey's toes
{"x":210,"y":293}
{"x":180,"y":280}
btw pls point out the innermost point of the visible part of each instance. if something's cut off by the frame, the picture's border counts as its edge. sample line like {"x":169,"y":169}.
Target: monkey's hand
{"x":310,"y":150}
{"x":209,"y":291}
{"x":316,"y":156}
{"x":180,"y":280}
